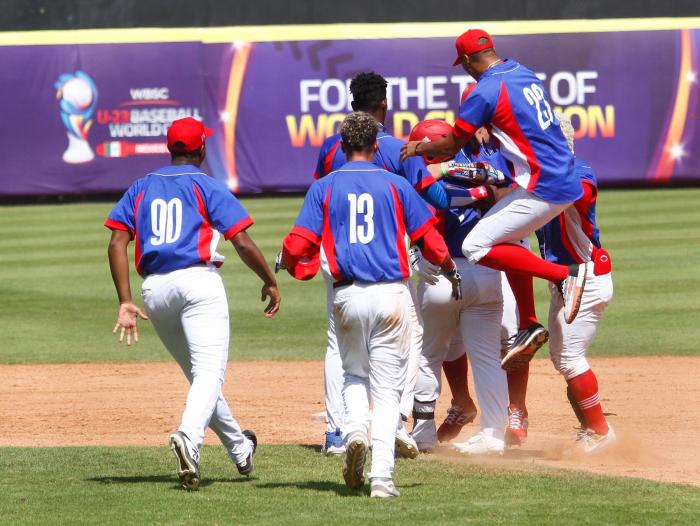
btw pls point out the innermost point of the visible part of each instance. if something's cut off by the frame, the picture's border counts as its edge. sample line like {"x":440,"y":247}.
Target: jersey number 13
{"x":361,"y":205}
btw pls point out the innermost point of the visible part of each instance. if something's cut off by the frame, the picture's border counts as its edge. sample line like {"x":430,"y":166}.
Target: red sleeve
{"x":116,"y":225}
{"x":590,"y":194}
{"x":242,"y":225}
{"x":301,"y":256}
{"x":434,"y":248}
{"x":463,"y":129}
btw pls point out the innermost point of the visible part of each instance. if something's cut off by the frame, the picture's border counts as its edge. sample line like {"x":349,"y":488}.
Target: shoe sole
{"x":523,"y":353}
{"x":447,"y":432}
{"x":354,"y":468}
{"x":406,"y":449}
{"x":187,"y":471}
{"x":570,"y":313}
{"x":250,"y":435}
{"x":334,"y":451}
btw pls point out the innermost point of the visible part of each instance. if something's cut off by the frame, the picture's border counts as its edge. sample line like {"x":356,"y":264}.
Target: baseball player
{"x":360,"y":215}
{"x":573,"y":238}
{"x":511,"y":102}
{"x":175,"y":215}
{"x":474,"y":322}
{"x":369,"y":95}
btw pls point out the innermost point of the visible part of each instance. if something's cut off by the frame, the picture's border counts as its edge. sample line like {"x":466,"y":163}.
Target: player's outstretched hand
{"x":272,"y":292}
{"x":127,"y":319}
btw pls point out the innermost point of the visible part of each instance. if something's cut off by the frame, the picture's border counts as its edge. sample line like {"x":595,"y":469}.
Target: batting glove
{"x":279,"y":265}
{"x":425,"y":269}
{"x":472,"y":174}
{"x":456,"y":280}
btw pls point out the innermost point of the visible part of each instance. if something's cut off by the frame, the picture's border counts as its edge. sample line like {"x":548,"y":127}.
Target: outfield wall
{"x":86,"y":111}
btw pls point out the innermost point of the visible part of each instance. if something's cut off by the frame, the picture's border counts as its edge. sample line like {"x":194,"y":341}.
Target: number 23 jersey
{"x":361,"y":215}
{"x":176,"y":215}
{"x":510,"y":100}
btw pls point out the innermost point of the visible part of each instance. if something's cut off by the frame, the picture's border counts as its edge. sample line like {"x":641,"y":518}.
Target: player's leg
{"x":332,"y":382}
{"x":440,"y":313}
{"x":462,"y":408}
{"x":480,"y":326}
{"x":352,"y":312}
{"x":405,"y":444}
{"x":388,"y":356}
{"x":568,"y":349}
{"x":493,"y":243}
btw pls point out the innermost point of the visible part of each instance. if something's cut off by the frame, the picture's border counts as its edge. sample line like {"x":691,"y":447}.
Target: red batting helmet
{"x":429,"y":131}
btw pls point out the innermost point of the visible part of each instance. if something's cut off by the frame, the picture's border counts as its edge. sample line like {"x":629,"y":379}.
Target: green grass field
{"x":58,"y":306}
{"x":297,"y":485}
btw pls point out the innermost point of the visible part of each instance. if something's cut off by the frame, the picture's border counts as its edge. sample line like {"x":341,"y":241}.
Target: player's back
{"x":364,"y":206}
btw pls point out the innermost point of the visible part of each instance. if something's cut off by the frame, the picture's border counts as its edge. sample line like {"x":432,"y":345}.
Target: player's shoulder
{"x":330,"y":141}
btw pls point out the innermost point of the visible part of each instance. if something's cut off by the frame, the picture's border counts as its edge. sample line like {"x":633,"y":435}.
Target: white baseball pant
{"x":373,"y":331}
{"x":511,"y":219}
{"x":189,"y":310}
{"x":477,"y":317}
{"x":568,"y":343}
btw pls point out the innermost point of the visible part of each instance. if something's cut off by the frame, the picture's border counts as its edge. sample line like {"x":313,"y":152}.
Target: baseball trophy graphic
{"x":78,"y":95}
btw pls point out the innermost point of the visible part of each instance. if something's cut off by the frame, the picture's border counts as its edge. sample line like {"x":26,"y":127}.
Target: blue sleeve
{"x":436,"y":196}
{"x":122,"y":216}
{"x":416,"y":214}
{"x":413,"y":169}
{"x":310,"y":219}
{"x":478,"y":109}
{"x":225,"y":212}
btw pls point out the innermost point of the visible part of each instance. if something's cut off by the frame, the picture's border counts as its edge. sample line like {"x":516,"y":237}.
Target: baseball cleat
{"x":383,"y":488}
{"x":457,"y":418}
{"x":334,"y":443}
{"x":591,"y":442}
{"x":406,"y":447}
{"x":516,"y":432}
{"x":526,"y":344}
{"x":572,"y":291}
{"x":482,"y":443}
{"x":187,"y":461}
{"x":246,"y":467}
{"x":356,"y":447}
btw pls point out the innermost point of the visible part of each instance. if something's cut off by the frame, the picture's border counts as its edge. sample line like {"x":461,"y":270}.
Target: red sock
{"x":584,"y":389}
{"x":458,"y":380}
{"x":514,"y":258}
{"x":517,"y":387}
{"x":522,"y":288}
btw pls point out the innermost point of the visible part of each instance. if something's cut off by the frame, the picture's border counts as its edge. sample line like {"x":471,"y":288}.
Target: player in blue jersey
{"x":369,"y":95}
{"x":472,"y":324}
{"x":175,"y":216}
{"x":511,"y":102}
{"x":573,"y":238}
{"x":360,"y":215}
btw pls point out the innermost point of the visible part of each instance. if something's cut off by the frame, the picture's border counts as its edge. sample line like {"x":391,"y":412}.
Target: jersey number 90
{"x":535,"y":96}
{"x":363,"y":205}
{"x":166,"y":221}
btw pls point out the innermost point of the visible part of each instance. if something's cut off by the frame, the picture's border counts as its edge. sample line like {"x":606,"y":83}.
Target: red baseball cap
{"x":468,"y":43}
{"x":188,"y":131}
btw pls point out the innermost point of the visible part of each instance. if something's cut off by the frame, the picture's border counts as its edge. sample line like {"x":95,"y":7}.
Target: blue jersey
{"x":573,"y":236}
{"x":388,"y":156}
{"x":373,"y":210}
{"x":511,"y":102}
{"x":175,"y":215}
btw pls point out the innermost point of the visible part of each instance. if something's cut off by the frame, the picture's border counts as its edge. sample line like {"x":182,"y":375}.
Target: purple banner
{"x":92,"y":118}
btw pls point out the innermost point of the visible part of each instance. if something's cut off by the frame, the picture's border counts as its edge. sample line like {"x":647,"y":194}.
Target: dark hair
{"x":179,"y":147}
{"x":359,"y":131}
{"x":368,"y":91}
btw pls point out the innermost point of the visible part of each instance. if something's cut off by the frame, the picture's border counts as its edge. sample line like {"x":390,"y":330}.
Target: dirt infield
{"x":655,"y":404}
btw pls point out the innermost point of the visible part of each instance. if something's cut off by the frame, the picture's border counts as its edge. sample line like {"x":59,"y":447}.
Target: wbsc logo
{"x":77,"y":94}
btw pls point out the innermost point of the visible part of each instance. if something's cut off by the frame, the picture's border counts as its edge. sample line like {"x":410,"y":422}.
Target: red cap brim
{"x":208,"y":132}
{"x":457,"y":61}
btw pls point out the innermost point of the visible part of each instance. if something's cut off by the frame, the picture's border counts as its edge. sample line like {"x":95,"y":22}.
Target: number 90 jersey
{"x":175,"y":216}
{"x":361,"y":215}
{"x":510,"y":100}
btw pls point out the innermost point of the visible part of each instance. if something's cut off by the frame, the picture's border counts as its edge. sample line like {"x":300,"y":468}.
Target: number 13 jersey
{"x":175,"y":216}
{"x":361,"y":216}
{"x":511,"y":102}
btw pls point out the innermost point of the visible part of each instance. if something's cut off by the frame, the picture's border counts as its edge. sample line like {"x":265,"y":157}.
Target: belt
{"x":343,"y":283}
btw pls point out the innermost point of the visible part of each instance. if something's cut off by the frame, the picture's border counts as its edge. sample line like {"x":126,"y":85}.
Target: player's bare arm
{"x":445,"y":147}
{"x":250,"y":254}
{"x":128,"y":315}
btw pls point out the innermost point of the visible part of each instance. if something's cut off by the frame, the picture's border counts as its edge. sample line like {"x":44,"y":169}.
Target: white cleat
{"x":187,"y":461}
{"x":383,"y":488}
{"x":482,"y":443}
{"x":572,"y":291}
{"x":591,"y":442}
{"x":406,"y":447}
{"x":356,"y":447}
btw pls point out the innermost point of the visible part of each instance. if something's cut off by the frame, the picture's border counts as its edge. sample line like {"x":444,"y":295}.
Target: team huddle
{"x":455,"y":206}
